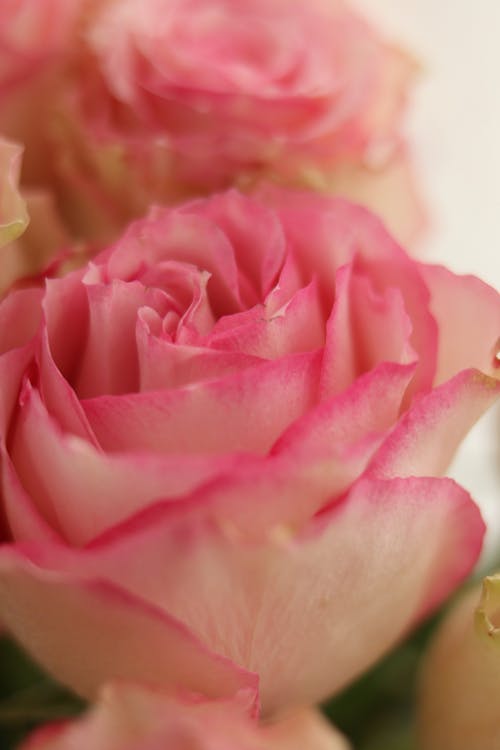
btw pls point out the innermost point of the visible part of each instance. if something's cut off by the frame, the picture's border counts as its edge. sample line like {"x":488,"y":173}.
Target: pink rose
{"x":222,"y":443}
{"x":134,"y":716}
{"x":151,"y":100}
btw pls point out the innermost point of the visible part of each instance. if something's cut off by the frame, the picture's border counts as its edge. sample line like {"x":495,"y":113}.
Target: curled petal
{"x":427,"y":436}
{"x":389,"y":546}
{"x":105,"y":633}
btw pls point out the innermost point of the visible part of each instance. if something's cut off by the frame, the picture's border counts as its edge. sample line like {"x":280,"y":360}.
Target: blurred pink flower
{"x":121,"y":104}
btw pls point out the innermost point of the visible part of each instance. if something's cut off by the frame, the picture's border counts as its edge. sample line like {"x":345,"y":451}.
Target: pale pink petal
{"x":467,"y":312}
{"x":354,"y":581}
{"x":13,"y":366}
{"x":22,"y":518}
{"x":82,"y":491}
{"x":20,"y":318}
{"x":65,"y":299}
{"x":86,"y":631}
{"x":255,"y":234}
{"x":234,"y":413}
{"x":427,"y":436}
{"x":163,"y":364}
{"x":184,"y":236}
{"x":109,"y":363}
{"x":297,"y":326}
{"x":58,"y":396}
{"x":327,"y":233}
{"x":365,"y":329}
{"x":360,"y":415}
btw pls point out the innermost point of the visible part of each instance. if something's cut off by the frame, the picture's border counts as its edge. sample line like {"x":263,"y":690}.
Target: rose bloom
{"x":458,"y":707}
{"x":151,"y":100}
{"x":221,"y":448}
{"x":135,"y":716}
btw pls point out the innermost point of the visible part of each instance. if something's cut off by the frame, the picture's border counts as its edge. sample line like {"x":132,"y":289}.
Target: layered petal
{"x":428,"y":434}
{"x":467,"y":312}
{"x":233,"y":413}
{"x":253,"y":602}
{"x":105,"y":633}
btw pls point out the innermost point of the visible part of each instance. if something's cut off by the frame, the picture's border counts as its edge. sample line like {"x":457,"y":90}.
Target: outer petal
{"x":86,"y":631}
{"x":130,"y":713}
{"x":468,"y":316}
{"x":316,"y":459}
{"x":20,"y":317}
{"x":427,"y":436}
{"x":379,"y":551}
{"x":460,"y":682}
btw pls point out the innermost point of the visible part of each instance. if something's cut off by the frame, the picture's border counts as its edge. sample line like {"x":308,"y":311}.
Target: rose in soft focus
{"x":460,"y":681}
{"x":136,"y":101}
{"x":221,"y":448}
{"x":132,"y":715}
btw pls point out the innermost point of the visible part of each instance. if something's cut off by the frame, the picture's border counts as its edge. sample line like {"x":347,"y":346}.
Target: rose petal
{"x":233,"y":413}
{"x":297,"y":326}
{"x":105,"y":633}
{"x":364,"y":329}
{"x":468,"y":316}
{"x":361,"y":414}
{"x":379,"y":551}
{"x":64,"y":474}
{"x":163,"y":364}
{"x":327,"y":234}
{"x":255,"y":234}
{"x":20,"y":317}
{"x":427,"y":436}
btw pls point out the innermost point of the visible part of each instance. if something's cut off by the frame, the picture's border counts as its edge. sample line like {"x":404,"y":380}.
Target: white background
{"x":454,"y":125}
